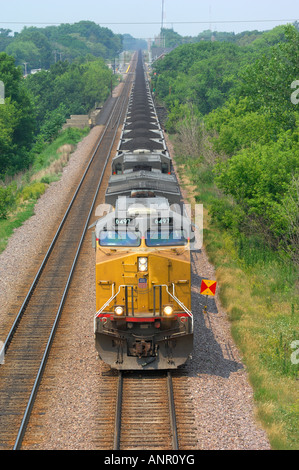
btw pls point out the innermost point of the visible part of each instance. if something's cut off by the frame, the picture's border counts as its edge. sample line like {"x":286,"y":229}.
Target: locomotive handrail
{"x":108,"y":301}
{"x":177,"y":300}
{"x":112,"y":297}
{"x":189,"y":313}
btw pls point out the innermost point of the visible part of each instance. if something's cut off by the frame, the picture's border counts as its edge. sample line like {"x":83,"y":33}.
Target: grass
{"x":259,"y":290}
{"x":53,"y":157}
{"x":30,"y":185}
{"x":14,"y":221}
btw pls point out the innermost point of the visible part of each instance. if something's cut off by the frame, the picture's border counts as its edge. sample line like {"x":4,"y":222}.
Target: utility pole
{"x":25,"y":63}
{"x":162,"y":26}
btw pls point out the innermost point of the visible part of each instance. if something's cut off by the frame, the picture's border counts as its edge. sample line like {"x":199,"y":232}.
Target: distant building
{"x":159,"y":52}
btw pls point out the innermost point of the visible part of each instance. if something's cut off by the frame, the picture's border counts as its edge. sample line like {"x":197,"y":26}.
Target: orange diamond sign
{"x":208,"y":287}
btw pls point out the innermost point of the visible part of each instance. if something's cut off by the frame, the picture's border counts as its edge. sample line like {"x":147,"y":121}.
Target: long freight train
{"x":143,"y":279}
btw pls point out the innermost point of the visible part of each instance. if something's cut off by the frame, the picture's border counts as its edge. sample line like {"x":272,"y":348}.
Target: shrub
{"x":33,"y":191}
{"x":7,"y":199}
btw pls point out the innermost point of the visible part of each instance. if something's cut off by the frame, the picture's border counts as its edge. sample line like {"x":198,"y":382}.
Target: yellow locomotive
{"x":143,"y":285}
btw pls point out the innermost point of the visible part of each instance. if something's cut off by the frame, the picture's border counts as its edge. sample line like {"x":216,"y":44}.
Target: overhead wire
{"x":155,"y":22}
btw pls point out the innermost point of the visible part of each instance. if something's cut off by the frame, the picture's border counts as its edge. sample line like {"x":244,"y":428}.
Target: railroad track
{"x":29,"y":341}
{"x":146,"y":411}
{"x":141,"y":418}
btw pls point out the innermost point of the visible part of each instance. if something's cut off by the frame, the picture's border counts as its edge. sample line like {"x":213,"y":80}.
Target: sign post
{"x":208,"y":288}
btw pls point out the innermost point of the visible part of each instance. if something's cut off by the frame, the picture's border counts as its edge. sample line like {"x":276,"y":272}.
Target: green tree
{"x":67,"y":89}
{"x":31,"y":46}
{"x":17,"y":120}
{"x":5,"y":38}
{"x":267,"y":83}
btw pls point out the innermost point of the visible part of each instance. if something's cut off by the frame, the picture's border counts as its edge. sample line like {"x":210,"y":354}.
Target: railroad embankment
{"x":23,"y":191}
{"x":27,"y":231}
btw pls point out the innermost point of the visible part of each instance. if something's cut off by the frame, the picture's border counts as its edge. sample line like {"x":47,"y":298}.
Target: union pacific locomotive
{"x":143,"y":279}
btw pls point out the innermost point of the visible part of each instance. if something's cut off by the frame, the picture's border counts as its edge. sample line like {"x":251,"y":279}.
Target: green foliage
{"x":67,"y":89}
{"x":258,"y":178}
{"x":42,"y":47}
{"x":52,"y":122}
{"x":276,"y":346}
{"x":45,"y":154}
{"x":7,"y":226}
{"x":267,"y":83}
{"x":258,"y":129}
{"x":202,"y":74}
{"x":31,"y":46}
{"x":33,"y":191}
{"x":227,"y":214}
{"x":17,"y":120}
{"x":7,"y":199}
{"x":5,"y":38}
{"x":237,"y":127}
{"x":37,"y":107}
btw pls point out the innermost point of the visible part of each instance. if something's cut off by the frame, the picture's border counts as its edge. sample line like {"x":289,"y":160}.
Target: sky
{"x":143,"y":18}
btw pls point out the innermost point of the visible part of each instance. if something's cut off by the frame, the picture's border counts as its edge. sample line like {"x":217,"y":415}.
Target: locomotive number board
{"x":122,"y":221}
{"x":163,"y":221}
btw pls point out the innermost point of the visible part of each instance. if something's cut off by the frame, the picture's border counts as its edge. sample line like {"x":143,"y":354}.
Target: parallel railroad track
{"x":29,"y":340}
{"x":151,"y":410}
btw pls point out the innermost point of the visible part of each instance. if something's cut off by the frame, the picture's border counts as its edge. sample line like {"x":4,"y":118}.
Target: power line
{"x":156,"y":22}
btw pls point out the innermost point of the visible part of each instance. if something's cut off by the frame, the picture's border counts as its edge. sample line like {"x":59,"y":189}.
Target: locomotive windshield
{"x":166,"y":238}
{"x":119,"y":238}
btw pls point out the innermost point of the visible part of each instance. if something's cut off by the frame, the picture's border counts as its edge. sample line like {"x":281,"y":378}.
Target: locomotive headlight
{"x":142,"y":264}
{"x":168,"y":310}
{"x":119,"y":310}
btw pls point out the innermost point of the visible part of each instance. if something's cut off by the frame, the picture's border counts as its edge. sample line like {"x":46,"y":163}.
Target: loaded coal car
{"x":143,"y":286}
{"x":142,"y":131}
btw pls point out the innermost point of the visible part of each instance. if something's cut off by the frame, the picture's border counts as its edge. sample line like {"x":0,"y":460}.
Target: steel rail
{"x":117,"y":425}
{"x":26,"y":416}
{"x":118,"y":412}
{"x":173,"y":424}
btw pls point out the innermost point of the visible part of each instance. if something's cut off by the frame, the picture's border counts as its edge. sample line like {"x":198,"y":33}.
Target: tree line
{"x":241,"y":96}
{"x":36,"y":107}
{"x":39,"y":48}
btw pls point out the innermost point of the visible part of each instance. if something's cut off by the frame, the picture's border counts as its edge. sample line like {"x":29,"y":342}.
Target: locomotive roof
{"x":144,"y":175}
{"x":143,"y":183}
